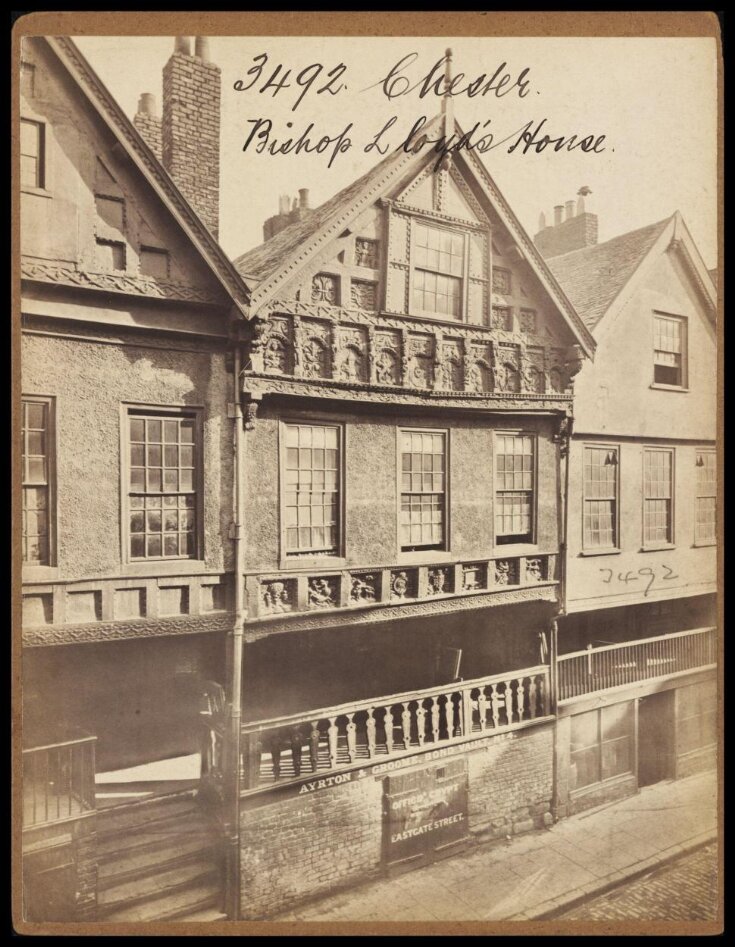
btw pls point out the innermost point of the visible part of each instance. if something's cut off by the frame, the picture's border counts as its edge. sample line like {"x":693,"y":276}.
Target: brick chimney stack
{"x":190,"y":126}
{"x":289,"y":211}
{"x":578,"y":230}
{"x":148,"y":122}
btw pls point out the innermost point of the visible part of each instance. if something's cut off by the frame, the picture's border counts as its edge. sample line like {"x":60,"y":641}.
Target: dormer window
{"x":438,"y":272}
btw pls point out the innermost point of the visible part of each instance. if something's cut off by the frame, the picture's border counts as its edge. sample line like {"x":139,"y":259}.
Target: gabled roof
{"x":272,"y":262}
{"x":593,"y":276}
{"x":151,"y":168}
{"x":599,"y":278}
{"x":262,"y":261}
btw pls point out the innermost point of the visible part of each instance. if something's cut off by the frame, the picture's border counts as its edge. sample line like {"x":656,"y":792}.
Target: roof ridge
{"x":620,"y":236}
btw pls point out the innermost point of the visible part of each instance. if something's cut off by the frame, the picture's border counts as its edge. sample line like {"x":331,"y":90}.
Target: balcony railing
{"x":58,"y":781}
{"x":597,"y":669}
{"x":334,"y":738}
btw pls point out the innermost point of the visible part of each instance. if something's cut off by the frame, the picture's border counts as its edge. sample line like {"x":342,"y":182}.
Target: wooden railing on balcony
{"x":596,"y":669}
{"x":334,"y":738}
{"x":58,"y":781}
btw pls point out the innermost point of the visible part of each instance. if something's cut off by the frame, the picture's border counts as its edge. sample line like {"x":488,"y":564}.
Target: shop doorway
{"x":656,"y":757}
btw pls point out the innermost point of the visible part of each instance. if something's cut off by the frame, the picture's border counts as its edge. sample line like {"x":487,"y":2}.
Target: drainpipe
{"x":564,"y":442}
{"x":234,"y":663}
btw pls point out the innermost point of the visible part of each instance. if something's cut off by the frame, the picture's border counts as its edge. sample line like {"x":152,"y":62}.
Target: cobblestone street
{"x":685,"y":890}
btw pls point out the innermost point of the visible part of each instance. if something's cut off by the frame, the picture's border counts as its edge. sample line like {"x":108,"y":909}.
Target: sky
{"x":654,"y":100}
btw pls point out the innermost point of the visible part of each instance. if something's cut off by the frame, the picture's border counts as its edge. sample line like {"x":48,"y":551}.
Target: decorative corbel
{"x":250,"y":411}
{"x":564,"y":435}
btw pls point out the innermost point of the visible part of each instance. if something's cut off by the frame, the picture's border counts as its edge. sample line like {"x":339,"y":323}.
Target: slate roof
{"x":263,"y":260}
{"x":593,"y":276}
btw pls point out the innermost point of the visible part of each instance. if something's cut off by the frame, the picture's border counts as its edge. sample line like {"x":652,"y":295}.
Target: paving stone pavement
{"x":684,"y":890}
{"x":539,"y":874}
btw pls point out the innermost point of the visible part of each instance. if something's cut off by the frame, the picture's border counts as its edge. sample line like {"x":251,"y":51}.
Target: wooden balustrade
{"x":595,"y":669}
{"x":334,"y":738}
{"x":58,"y":781}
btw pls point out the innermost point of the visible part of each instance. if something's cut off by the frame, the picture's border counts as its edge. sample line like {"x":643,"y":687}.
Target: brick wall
{"x":511,"y":783}
{"x":149,"y":127}
{"x":300,"y":847}
{"x":190,"y":132}
{"x":571,"y":234}
{"x":304,"y":846}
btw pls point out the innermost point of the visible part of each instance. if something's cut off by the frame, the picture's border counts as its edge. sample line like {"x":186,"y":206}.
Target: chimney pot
{"x":558,"y":211}
{"x":542,"y":221}
{"x":304,"y":198}
{"x":201,"y":48}
{"x":570,"y":209}
{"x":147,"y":104}
{"x":183,"y":45}
{"x":581,"y":194}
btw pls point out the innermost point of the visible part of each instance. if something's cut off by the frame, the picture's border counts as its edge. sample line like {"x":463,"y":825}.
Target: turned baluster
{"x":464,"y":726}
{"x":544,"y":695}
{"x":519,"y":699}
{"x":406,"y":724}
{"x":482,"y":707}
{"x":420,"y":722}
{"x":296,"y":746}
{"x":495,"y":705}
{"x":370,"y":732}
{"x":508,"y":703}
{"x":351,"y":737}
{"x":388,"y":727}
{"x":532,"y":707}
{"x":332,"y":737}
{"x":435,"y":711}
{"x":314,"y":746}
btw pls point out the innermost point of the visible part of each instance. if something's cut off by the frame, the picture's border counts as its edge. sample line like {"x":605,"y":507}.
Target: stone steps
{"x":158,"y":860}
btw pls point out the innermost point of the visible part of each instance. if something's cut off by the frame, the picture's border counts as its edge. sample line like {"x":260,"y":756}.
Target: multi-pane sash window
{"x":162,"y":499}
{"x":438,"y":260}
{"x":658,"y":480}
{"x":36,"y":482}
{"x":669,"y":350}
{"x":706,"y":511}
{"x":514,"y":488}
{"x":32,"y":171}
{"x":600,"y":497}
{"x":423,"y":489}
{"x":312,"y":483}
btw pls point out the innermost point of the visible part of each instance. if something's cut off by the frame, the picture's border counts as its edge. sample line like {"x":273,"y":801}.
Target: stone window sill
{"x":661,"y":548}
{"x":298,"y":564}
{"x":153,"y":567}
{"x":667,"y":387}
{"x":599,"y":552}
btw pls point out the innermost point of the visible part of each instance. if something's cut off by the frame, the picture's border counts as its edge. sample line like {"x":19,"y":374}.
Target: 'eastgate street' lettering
{"x":429,"y":827}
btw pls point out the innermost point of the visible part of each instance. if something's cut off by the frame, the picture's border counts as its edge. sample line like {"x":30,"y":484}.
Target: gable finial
{"x":447,"y":98}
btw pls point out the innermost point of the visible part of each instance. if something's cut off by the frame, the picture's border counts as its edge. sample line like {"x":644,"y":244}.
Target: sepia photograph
{"x":366,"y":475}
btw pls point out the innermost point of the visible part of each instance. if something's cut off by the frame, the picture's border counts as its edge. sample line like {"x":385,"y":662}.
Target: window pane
{"x":35,"y":482}
{"x":312,"y":499}
{"x":421,"y":521}
{"x":658,"y":489}
{"x":159,"y":466}
{"x":514,"y":477}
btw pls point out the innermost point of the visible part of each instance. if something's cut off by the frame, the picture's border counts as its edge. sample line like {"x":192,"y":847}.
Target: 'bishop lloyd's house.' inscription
{"x":425,"y":812}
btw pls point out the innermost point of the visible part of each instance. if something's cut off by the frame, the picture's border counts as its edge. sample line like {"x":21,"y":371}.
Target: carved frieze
{"x":528,"y":321}
{"x":48,"y":272}
{"x":420,"y":361}
{"x":277,"y":596}
{"x":502,"y":318}
{"x":474,"y":576}
{"x":506,"y":572}
{"x":439,"y":582}
{"x":366,"y":252}
{"x":403,"y":584}
{"x":501,"y":281}
{"x":324,"y":592}
{"x":535,"y":570}
{"x":363,"y":588}
{"x":44,"y":635}
{"x":325,"y":288}
{"x":364,"y":294}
